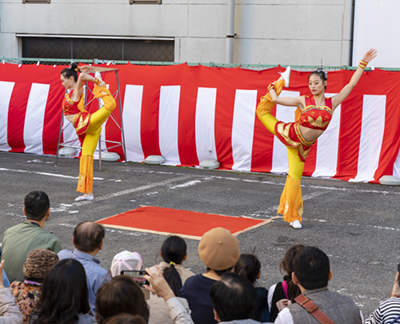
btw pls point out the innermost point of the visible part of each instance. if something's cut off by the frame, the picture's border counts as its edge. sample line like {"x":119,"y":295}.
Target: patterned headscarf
{"x":38,"y":263}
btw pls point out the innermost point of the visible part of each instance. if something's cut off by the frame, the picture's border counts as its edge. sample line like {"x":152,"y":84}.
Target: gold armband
{"x":363,"y":64}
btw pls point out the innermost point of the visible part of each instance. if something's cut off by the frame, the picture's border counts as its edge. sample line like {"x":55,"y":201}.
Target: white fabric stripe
{"x":34,"y":118}
{"x":279,"y":155}
{"x":328,"y":146}
{"x":372,"y":130}
{"x":396,"y":166}
{"x":6,"y":89}
{"x":205,"y":124}
{"x":69,"y":135}
{"x":243,"y":129}
{"x":168,"y":124}
{"x":132,"y":117}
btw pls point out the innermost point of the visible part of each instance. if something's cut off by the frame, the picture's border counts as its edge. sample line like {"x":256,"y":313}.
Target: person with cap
{"x":21,"y":239}
{"x":88,"y":240}
{"x":125,"y":260}
{"x":219,"y":251}
{"x":36,"y":267}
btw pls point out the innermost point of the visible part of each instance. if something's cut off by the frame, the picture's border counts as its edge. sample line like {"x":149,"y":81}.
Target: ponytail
{"x":173,"y":251}
{"x":248,"y":266}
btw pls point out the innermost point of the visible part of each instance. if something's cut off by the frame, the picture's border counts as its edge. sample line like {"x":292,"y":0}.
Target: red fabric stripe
{"x":16,"y":116}
{"x":350,"y":131}
{"x":389,"y":83}
{"x":53,"y":113}
{"x":187,"y":117}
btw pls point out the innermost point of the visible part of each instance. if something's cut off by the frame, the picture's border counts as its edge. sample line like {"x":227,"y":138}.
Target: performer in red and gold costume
{"x":87,"y":126}
{"x":311,"y":119}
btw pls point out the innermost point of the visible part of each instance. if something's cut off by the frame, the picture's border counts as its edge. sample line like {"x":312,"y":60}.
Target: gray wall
{"x":297,"y":32}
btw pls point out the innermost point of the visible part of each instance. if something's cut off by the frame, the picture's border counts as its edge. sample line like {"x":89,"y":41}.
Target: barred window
{"x":98,"y":48}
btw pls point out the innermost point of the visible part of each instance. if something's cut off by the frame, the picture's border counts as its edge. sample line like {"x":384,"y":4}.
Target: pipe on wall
{"x":230,"y":32}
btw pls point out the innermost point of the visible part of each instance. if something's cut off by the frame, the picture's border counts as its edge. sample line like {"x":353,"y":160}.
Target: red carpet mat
{"x":185,"y":223}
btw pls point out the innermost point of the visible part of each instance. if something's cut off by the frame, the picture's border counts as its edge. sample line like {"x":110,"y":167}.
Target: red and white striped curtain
{"x":191,"y":113}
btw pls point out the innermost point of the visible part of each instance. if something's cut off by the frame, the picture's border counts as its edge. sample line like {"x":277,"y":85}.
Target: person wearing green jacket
{"x":21,"y":239}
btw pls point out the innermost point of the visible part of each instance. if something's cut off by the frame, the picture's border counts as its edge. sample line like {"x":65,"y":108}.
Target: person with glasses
{"x":311,"y":119}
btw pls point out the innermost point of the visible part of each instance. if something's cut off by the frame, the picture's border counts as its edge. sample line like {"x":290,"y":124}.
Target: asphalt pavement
{"x":356,"y":224}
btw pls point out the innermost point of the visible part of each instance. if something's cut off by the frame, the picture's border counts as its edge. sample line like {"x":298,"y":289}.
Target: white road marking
{"x":266,"y":212}
{"x":132,"y":190}
{"x":384,"y":192}
{"x":186,"y":184}
{"x":46,"y":174}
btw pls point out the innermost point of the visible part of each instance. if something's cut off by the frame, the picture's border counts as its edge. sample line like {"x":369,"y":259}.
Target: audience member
{"x":249,"y":267}
{"x":233,"y":299}
{"x":120,"y":295}
{"x":388,"y":311}
{"x":64,"y":295}
{"x":219,"y":251}
{"x":9,"y":311}
{"x":88,"y":240}
{"x":125,"y":260}
{"x":124,"y":318}
{"x":311,"y":272}
{"x":36,"y":267}
{"x":286,"y":289}
{"x":173,"y":252}
{"x":178,"y":309}
{"x":21,"y":239}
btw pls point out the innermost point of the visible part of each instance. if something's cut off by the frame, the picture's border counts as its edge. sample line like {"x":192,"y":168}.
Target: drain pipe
{"x":230,"y":32}
{"x":353,"y":10}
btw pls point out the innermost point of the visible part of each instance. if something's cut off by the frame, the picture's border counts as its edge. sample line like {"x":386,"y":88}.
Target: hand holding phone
{"x":137,"y":276}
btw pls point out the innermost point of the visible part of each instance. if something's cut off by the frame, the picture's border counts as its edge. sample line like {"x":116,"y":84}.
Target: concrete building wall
{"x":298,"y":32}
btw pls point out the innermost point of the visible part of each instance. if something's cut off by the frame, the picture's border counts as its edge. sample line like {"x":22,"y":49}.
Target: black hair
{"x":311,"y":267}
{"x":248,"y":266}
{"x":233,"y":297}
{"x":37,"y":204}
{"x":88,"y":236}
{"x":321,"y":73}
{"x":125,"y":318}
{"x":219,"y":273}
{"x":64,"y":294}
{"x":173,"y":250}
{"x":70,"y":72}
{"x":287,"y":265}
{"x":120,"y":295}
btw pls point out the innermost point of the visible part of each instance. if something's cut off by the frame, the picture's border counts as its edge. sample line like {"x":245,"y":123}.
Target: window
{"x":155,"y":50}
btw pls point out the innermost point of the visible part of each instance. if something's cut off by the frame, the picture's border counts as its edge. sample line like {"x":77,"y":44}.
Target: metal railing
{"x":55,"y":61}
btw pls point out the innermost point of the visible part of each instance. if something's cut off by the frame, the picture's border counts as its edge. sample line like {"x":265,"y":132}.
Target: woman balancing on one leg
{"x":86,"y":125}
{"x":314,"y":115}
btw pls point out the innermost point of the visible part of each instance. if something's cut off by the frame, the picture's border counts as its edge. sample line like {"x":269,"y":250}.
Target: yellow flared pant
{"x":291,"y":203}
{"x":85,"y":181}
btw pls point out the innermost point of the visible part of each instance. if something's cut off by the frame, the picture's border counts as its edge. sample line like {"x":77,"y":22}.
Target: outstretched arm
{"x":286,"y":101}
{"x":342,"y":95}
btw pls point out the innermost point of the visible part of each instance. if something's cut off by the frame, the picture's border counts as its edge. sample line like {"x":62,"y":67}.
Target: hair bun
{"x":73,"y":66}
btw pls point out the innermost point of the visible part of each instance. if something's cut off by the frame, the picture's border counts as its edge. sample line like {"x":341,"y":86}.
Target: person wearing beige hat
{"x":219,"y":251}
{"x":35,"y":269}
